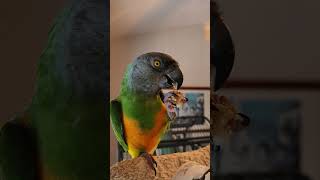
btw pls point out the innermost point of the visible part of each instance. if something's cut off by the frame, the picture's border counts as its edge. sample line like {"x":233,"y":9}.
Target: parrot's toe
{"x":150,"y":160}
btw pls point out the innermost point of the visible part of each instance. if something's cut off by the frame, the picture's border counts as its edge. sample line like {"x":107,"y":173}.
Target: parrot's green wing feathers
{"x":17,"y":152}
{"x":117,"y":123}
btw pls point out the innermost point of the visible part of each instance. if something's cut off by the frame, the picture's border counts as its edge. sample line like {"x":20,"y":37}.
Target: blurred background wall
{"x":279,"y":41}
{"x":178,"y":28}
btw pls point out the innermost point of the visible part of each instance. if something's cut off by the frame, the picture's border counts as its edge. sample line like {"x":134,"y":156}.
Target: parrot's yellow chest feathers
{"x":142,"y":140}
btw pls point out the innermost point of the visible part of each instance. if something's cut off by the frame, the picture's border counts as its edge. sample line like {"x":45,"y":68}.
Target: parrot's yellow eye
{"x":156,"y":63}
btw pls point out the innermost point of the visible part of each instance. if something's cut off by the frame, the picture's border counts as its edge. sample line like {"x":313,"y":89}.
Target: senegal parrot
{"x":63,"y":134}
{"x":140,"y":116}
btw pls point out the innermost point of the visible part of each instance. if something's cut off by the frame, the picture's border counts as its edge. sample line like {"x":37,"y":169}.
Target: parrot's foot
{"x":172,"y":100}
{"x":203,"y":176}
{"x":150,"y":160}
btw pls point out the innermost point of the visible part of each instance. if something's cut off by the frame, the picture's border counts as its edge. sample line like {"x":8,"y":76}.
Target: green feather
{"x":117,"y":123}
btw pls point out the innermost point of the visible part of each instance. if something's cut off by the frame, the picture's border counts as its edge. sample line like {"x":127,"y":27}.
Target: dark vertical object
{"x":221,"y":48}
{"x":221,"y":63}
{"x":107,"y":75}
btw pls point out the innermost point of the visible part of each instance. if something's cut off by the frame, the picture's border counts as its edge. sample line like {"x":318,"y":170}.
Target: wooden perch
{"x":168,"y":165}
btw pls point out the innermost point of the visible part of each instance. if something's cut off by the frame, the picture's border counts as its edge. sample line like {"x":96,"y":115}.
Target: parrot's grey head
{"x":154,"y":71}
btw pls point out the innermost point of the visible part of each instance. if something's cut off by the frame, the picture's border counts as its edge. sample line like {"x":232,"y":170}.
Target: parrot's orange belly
{"x":140,"y":140}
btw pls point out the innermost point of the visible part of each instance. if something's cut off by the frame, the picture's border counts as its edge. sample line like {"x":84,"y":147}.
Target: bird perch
{"x":167,"y":165}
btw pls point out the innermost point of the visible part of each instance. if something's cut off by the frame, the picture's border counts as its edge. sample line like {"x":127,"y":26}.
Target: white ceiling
{"x":139,"y":16}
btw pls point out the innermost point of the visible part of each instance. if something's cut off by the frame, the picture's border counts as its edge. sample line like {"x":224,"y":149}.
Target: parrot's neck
{"x":130,"y":87}
{"x":138,"y":105}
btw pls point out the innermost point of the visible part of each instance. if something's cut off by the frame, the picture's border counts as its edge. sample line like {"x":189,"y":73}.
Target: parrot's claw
{"x":150,"y":160}
{"x":172,"y":100}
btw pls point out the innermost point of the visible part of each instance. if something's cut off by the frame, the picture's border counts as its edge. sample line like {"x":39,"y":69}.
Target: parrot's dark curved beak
{"x":174,"y":79}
